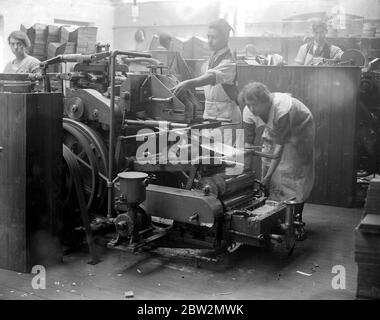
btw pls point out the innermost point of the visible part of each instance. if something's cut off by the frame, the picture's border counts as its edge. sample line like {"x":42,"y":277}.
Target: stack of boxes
{"x":367,"y":245}
{"x":85,"y":39}
{"x":49,"y":41}
{"x":38,"y":37}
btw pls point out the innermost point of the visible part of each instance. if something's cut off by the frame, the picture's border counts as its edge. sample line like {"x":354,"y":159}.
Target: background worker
{"x":318,"y":50}
{"x":165,"y":40}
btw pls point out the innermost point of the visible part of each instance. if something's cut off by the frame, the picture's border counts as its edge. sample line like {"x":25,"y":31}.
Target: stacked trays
{"x":367,"y":245}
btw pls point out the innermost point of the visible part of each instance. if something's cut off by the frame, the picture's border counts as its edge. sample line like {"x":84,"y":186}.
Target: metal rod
{"x":154,"y":99}
{"x":256,"y":237}
{"x":111,"y":135}
{"x":289,"y":223}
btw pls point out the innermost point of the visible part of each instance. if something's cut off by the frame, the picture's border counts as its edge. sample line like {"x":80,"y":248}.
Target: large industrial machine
{"x":119,"y":178}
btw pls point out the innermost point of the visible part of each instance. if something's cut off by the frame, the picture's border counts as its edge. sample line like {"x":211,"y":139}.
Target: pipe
{"x":156,"y":123}
{"x":289,"y":223}
{"x":259,"y":237}
{"x":111,"y":135}
{"x":113,"y":56}
{"x":168,"y":100}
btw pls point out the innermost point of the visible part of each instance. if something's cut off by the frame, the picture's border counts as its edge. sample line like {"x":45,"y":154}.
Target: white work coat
{"x":218,"y":104}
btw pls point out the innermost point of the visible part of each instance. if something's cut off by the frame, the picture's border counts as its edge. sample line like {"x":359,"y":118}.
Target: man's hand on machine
{"x":181,"y":88}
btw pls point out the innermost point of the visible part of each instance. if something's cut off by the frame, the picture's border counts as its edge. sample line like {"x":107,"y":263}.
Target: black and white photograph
{"x":188,"y":158}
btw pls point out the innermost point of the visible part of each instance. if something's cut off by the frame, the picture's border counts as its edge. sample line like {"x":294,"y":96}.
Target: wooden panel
{"x":331,"y":95}
{"x":12,"y":181}
{"x":30,"y":179}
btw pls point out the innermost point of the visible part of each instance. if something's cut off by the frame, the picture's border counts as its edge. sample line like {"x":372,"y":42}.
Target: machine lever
{"x":275,"y":237}
{"x":193,"y":217}
{"x":168,"y":100}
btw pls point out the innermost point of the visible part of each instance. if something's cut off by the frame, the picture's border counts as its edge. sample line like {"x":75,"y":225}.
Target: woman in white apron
{"x":288,"y":143}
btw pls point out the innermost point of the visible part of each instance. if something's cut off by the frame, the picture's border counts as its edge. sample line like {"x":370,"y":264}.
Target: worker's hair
{"x":221,"y":26}
{"x":165,"y":39}
{"x":319,"y":24}
{"x":254,"y":92}
{"x":20,"y":36}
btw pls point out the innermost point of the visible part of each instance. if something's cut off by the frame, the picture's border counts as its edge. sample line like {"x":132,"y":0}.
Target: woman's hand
{"x":266,"y":181}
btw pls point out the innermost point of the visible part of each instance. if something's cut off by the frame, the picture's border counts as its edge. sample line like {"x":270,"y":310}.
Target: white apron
{"x":294,"y":175}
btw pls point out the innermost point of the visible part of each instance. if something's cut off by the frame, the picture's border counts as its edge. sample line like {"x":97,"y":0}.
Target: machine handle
{"x":168,"y":100}
{"x":132,"y":54}
{"x":67,"y":58}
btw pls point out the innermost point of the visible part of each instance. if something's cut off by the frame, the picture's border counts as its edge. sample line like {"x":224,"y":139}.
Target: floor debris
{"x":223,"y":293}
{"x":128,"y":294}
{"x":304,"y":273}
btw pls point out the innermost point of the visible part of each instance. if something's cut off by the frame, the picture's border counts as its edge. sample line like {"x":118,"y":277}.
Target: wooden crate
{"x":30,"y":179}
{"x":37,"y":35}
{"x":53,"y":34}
{"x":67,"y":34}
{"x":85,"y":34}
{"x":331,"y":95}
{"x":368,"y":285}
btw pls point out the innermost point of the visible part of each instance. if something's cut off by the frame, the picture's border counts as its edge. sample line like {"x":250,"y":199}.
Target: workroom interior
{"x":189,"y":150}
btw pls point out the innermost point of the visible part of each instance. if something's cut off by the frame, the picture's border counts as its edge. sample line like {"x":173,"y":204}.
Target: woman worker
{"x":23,"y":63}
{"x":288,"y":144}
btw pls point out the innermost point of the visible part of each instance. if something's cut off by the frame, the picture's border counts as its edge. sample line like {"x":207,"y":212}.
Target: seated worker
{"x":318,"y":50}
{"x":23,"y":63}
{"x":288,"y":144}
{"x":219,"y":80}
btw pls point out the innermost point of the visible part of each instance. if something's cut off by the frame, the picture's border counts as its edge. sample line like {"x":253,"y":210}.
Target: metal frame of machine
{"x":199,"y":206}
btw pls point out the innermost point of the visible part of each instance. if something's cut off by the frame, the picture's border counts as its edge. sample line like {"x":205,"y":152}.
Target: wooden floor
{"x":248,"y":273}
